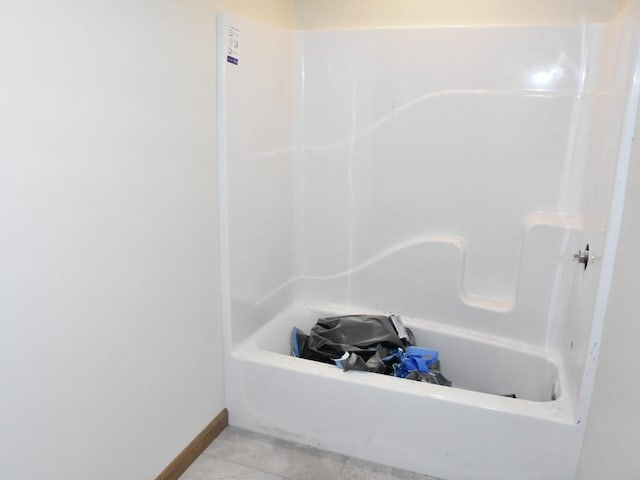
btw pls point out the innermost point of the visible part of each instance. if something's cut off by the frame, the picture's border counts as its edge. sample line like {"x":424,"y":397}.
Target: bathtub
{"x":446,"y":174}
{"x":421,"y":427}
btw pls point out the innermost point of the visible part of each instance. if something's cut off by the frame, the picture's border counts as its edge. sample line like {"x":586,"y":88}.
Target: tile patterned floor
{"x":240,"y":455}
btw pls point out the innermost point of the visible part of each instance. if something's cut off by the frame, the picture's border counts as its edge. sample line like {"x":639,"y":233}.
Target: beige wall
{"x":110,"y":337}
{"x":318,"y":14}
{"x":279,"y":12}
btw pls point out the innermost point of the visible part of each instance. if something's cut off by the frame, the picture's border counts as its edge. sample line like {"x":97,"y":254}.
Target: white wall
{"x":110,"y":336}
{"x":317,"y":14}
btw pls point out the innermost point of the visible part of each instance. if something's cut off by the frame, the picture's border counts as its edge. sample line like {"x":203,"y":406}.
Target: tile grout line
{"x":344,"y":464}
{"x":344,"y":458}
{"x":279,"y":477}
{"x":250,"y":467}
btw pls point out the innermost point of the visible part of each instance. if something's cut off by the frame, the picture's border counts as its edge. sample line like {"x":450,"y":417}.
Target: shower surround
{"x":448,"y":175}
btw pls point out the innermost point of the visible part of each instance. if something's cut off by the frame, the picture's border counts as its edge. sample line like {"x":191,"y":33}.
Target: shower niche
{"x":451,"y":175}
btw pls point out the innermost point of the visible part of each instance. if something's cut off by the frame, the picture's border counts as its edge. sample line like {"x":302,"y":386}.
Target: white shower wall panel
{"x":259,"y":182}
{"x":458,"y":133}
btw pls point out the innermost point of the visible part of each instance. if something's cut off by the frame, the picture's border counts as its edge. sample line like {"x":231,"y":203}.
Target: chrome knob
{"x":583,"y":257}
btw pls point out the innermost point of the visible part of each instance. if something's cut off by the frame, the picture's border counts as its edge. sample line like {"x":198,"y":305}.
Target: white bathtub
{"x":463,"y":432}
{"x":448,"y":175}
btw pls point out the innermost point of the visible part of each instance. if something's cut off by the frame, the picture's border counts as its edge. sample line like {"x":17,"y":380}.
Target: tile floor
{"x":240,"y":455}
